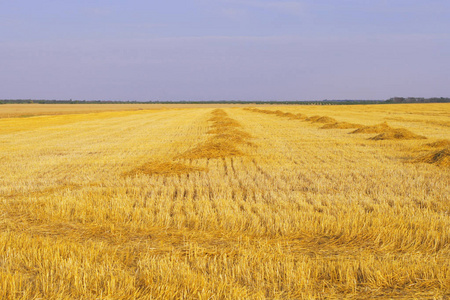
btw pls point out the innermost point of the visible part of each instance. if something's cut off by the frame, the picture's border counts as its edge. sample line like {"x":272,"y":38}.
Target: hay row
{"x":383,"y":131}
{"x":224,"y":140}
{"x":225,"y":137}
{"x":278,"y":113}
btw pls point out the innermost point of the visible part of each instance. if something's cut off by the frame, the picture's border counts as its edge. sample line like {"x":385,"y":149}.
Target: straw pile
{"x":212,"y":150}
{"x":299,"y":117}
{"x":278,"y":113}
{"x":379,"y":128}
{"x":284,"y":114}
{"x":224,"y":140}
{"x":341,"y":125}
{"x":439,"y":158}
{"x":313,"y":118}
{"x":229,"y":131}
{"x":224,"y":122}
{"x":397,"y":134}
{"x":439,"y":144}
{"x":324,"y":119}
{"x":219,"y":112}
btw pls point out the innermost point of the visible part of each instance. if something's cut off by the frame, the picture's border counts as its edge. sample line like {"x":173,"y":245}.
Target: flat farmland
{"x":30,"y":110}
{"x":225,"y":202}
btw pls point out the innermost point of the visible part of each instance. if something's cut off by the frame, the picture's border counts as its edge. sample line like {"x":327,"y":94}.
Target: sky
{"x":204,"y":50}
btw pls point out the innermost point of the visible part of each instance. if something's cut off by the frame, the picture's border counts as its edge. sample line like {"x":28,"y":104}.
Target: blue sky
{"x":224,"y":49}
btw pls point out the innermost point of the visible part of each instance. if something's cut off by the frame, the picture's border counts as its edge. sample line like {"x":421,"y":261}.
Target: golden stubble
{"x":103,"y":206}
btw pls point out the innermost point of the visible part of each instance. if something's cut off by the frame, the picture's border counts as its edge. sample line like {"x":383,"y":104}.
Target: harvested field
{"x":32,"y":110}
{"x":211,"y":202}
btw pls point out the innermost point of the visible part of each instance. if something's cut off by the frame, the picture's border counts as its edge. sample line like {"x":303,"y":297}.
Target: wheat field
{"x":225,"y":202}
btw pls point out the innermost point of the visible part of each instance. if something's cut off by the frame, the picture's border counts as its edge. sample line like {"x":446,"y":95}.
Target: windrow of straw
{"x":219,"y":112}
{"x":314,"y":119}
{"x":211,"y":150}
{"x":278,"y":113}
{"x":224,"y":140}
{"x":224,"y":122}
{"x":330,"y":123}
{"x":383,"y":130}
{"x":440,"y":157}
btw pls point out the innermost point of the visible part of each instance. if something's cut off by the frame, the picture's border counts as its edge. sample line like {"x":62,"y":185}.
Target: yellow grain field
{"x":263,"y":202}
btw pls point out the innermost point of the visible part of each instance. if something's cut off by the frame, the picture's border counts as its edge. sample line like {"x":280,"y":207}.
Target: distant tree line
{"x":418,"y":100}
{"x":320,"y":102}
